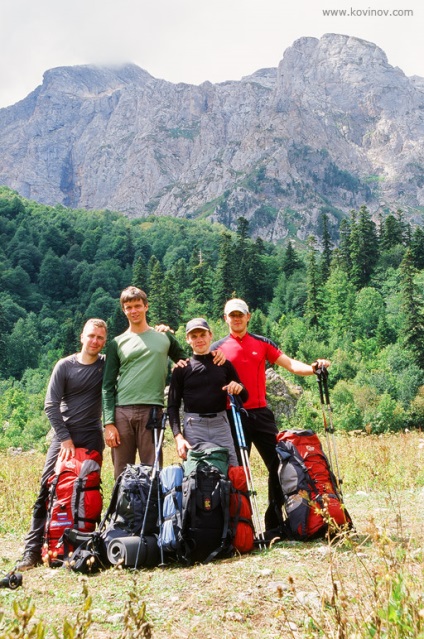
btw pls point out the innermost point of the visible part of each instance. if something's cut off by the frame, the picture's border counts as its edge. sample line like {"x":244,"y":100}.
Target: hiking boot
{"x":31,"y":559}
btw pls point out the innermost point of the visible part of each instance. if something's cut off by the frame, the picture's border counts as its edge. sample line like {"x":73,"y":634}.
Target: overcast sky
{"x":189,"y":40}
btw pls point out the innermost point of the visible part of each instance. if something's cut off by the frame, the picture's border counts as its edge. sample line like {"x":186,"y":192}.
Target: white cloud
{"x":186,"y":40}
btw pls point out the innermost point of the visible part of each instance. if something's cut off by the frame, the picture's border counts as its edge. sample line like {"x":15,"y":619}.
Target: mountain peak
{"x":94,"y":79}
{"x":333,"y":127}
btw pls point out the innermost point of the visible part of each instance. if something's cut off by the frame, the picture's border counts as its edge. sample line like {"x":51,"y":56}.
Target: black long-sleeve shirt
{"x":199,"y":386}
{"x":73,"y":401}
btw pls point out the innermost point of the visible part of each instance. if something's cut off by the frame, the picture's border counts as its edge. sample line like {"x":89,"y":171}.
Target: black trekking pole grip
{"x":322,"y":375}
{"x":153,"y":422}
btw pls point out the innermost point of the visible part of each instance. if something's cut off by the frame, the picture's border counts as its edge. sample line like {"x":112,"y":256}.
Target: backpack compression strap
{"x":225,"y":489}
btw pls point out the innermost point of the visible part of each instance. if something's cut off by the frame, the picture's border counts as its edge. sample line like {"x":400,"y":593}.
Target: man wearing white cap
{"x":203,"y":387}
{"x":249,"y":353}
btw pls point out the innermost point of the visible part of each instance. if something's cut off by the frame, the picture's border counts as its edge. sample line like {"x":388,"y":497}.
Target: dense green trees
{"x":360,"y":303}
{"x":413,"y":309}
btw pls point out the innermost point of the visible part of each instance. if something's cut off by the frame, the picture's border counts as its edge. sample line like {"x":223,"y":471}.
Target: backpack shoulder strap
{"x":112,"y":505}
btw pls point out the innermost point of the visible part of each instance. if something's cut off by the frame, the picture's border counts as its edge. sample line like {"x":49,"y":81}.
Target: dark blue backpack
{"x":205,"y":526}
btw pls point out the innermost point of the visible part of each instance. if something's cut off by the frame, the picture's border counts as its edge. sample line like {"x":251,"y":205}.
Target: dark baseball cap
{"x":197,"y":322}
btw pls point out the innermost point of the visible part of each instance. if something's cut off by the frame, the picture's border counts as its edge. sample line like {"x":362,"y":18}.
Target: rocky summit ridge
{"x":333,"y":127}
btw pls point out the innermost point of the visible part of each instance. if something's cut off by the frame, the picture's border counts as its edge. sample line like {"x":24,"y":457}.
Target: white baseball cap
{"x":236,"y":305}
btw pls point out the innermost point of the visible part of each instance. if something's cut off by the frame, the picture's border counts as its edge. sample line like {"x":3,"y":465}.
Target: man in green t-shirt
{"x":134,"y":381}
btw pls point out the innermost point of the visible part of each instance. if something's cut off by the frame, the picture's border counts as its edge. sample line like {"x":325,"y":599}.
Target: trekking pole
{"x":322,"y":379}
{"x":155,"y":426}
{"x":159,"y":446}
{"x":321,"y":373}
{"x":248,"y":473}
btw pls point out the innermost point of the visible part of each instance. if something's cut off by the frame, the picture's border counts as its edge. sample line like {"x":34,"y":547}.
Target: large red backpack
{"x":74,"y":501}
{"x":313,"y":502}
{"x":240,"y":511}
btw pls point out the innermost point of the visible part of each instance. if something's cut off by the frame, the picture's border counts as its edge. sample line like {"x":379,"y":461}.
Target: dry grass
{"x":290,"y":590}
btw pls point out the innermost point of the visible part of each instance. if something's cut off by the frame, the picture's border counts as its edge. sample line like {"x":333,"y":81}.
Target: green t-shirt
{"x":136,"y":369}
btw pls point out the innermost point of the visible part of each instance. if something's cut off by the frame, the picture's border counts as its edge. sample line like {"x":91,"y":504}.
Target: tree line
{"x":352,"y":294}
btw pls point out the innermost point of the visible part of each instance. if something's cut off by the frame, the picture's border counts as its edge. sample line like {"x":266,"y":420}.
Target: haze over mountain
{"x":333,"y":127}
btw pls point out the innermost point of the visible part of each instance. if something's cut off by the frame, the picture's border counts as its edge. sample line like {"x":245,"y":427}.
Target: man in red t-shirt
{"x":249,"y":353}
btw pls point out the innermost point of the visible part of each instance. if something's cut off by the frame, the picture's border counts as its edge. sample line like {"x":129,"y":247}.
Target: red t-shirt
{"x":248,"y":355}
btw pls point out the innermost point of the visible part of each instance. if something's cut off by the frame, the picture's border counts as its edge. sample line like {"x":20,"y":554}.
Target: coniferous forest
{"x":354,"y":295}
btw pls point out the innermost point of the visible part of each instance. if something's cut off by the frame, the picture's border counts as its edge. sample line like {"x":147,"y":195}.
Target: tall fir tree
{"x":380,"y":227}
{"x":363,"y":247}
{"x":384,"y":334}
{"x":224,"y":281}
{"x":406,"y":231}
{"x":151,"y":265}
{"x":413,"y":309}
{"x":118,"y":323}
{"x":291,"y":261}
{"x":313,"y":307}
{"x":343,"y":252}
{"x":417,"y":248}
{"x":139,"y":274}
{"x":201,"y":282}
{"x":181,"y":274}
{"x":327,"y":245}
{"x":355,"y":253}
{"x":392,"y":233}
{"x":257,"y":283}
{"x":157,"y":306}
{"x":171,"y":309}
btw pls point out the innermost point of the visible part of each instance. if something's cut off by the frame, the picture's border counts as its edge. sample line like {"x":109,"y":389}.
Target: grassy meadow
{"x":368,"y":584}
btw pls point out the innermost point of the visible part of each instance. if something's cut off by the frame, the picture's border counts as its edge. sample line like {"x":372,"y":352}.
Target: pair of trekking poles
{"x":244,"y":454}
{"x":327,"y":412}
{"x":156,"y":425}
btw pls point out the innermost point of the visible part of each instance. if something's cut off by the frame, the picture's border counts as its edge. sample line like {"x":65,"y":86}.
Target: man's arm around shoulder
{"x":176,"y":352}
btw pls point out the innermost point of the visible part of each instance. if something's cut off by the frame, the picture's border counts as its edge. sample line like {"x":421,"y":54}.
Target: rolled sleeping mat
{"x":124,"y":551}
{"x":109,"y":535}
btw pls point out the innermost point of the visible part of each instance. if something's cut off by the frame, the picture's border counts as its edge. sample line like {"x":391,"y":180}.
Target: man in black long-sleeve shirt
{"x":73,"y":405}
{"x":203,"y":387}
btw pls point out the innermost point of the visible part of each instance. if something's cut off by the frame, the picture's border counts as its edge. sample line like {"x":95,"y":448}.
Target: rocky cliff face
{"x":333,"y":127}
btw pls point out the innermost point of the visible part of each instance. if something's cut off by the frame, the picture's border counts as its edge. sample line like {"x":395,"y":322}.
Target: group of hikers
{"x":127,"y":382}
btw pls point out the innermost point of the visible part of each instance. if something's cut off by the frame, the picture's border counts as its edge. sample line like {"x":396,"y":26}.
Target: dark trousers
{"x":35,"y":535}
{"x":260,"y":430}
{"x":34,"y":538}
{"x":132,"y":424}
